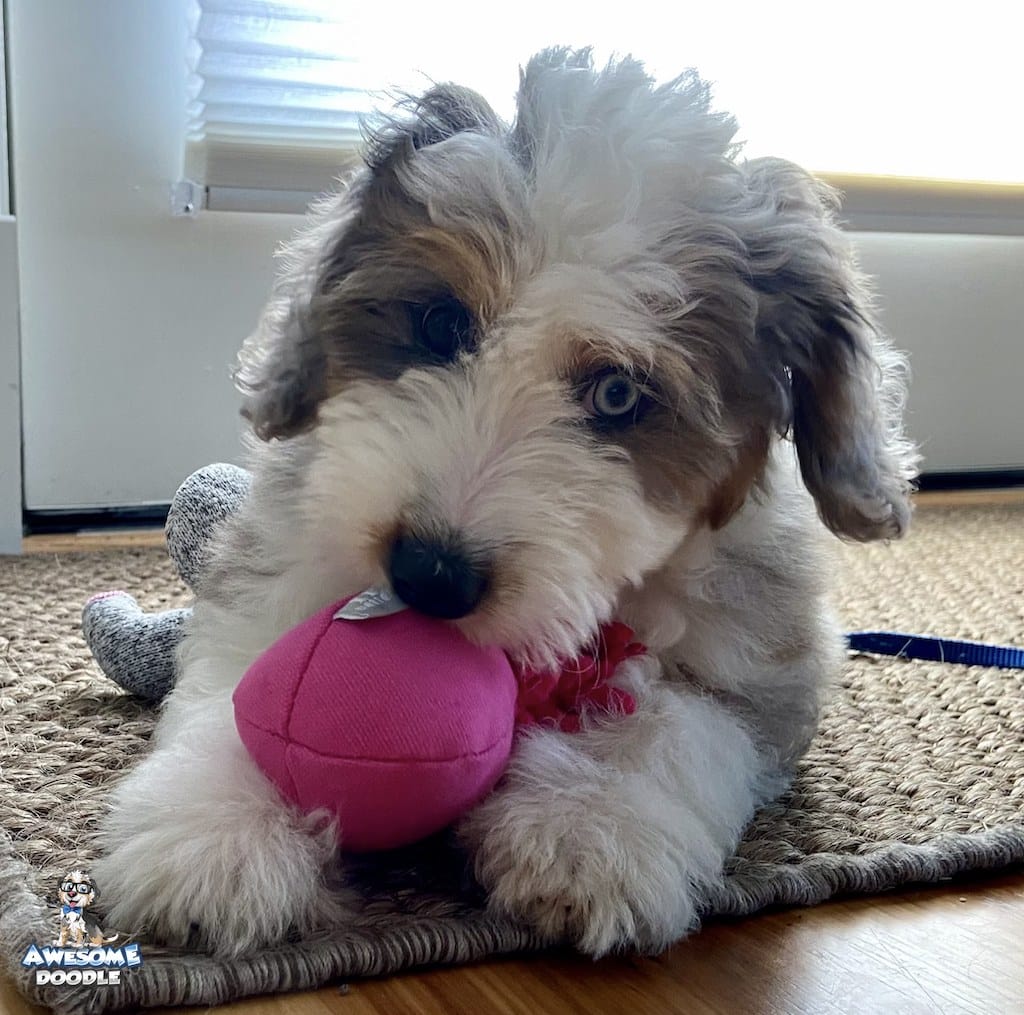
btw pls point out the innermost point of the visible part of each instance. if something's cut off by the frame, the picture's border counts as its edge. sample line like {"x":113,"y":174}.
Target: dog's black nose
{"x":435,"y":578}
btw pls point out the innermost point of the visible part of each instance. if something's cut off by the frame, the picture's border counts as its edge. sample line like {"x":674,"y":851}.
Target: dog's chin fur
{"x":611,"y":228}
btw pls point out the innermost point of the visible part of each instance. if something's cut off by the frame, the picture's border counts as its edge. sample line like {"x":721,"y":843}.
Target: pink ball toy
{"x":398,"y":725}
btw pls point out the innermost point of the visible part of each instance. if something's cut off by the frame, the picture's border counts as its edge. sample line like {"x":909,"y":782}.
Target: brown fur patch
{"x":476,"y":274}
{"x":729,"y":495}
{"x":672,"y":466}
{"x":362,"y":307}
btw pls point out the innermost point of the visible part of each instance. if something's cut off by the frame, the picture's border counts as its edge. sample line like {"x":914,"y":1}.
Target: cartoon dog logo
{"x":76,"y":893}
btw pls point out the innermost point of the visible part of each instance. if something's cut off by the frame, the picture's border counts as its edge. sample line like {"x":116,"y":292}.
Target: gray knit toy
{"x":137,"y":649}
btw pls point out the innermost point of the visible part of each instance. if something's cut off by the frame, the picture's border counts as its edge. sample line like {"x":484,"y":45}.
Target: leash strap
{"x":943,"y":650}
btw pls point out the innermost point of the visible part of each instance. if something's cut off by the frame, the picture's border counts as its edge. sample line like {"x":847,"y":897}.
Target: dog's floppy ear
{"x":283,"y":368}
{"x":847,"y":383}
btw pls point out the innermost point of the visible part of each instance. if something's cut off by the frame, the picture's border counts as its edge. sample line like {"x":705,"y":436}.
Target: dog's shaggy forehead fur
{"x":610,"y":227}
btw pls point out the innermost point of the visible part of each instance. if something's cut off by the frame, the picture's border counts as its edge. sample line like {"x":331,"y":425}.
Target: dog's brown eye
{"x":613,"y":396}
{"x":445,"y":327}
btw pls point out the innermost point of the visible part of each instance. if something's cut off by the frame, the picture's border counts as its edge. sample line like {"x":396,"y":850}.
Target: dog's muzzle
{"x":435,"y":578}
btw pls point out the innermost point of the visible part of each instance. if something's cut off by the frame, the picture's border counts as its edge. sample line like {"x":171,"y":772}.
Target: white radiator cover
{"x":141,"y":396}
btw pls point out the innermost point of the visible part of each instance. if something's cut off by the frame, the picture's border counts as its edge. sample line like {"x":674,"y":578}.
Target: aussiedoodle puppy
{"x":589,"y":366}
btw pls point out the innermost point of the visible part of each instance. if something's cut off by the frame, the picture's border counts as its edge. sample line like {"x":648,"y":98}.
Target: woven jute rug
{"x":913,"y":778}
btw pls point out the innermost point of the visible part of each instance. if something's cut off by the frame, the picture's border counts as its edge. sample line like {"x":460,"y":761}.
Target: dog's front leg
{"x":198,"y":845}
{"x":611,"y":837}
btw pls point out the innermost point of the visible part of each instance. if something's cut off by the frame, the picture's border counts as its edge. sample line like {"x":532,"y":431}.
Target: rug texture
{"x":916,"y":774}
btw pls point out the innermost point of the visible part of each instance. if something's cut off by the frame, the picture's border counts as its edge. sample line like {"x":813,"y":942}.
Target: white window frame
{"x":883,"y":204}
{"x":5,"y":176}
{"x":871,"y":204}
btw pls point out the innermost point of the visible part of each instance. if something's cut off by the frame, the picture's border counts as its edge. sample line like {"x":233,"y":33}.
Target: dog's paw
{"x":220,"y":889}
{"x":594,"y":866}
{"x":199,"y":849}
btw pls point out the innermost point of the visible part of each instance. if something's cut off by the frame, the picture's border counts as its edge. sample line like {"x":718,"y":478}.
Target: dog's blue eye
{"x":613,"y":396}
{"x":445,"y":327}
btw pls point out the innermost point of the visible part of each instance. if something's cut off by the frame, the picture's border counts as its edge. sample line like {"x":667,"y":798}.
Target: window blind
{"x":277,"y":92}
{"x":908,"y":90}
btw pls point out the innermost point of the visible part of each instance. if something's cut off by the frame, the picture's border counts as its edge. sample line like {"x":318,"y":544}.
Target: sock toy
{"x":137,"y":649}
{"x":390,"y":720}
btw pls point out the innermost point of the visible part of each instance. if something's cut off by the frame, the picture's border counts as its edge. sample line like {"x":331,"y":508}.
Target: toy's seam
{"x":377,"y":761}
{"x":291,"y":705}
{"x":301,"y":675}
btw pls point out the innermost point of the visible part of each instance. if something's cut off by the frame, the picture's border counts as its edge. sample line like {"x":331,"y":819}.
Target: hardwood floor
{"x":956,"y":948}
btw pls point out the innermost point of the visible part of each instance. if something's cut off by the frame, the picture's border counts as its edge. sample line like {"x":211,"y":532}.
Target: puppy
{"x":589,"y":366}
{"x":76,"y":893}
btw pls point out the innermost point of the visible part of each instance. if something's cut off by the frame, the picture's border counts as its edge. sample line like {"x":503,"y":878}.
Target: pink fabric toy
{"x":399,"y":725}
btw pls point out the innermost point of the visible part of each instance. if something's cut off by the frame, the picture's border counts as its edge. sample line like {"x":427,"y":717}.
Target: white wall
{"x":131,"y":318}
{"x":956,"y":304}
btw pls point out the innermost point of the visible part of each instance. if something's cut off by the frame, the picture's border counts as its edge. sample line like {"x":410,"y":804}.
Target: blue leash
{"x":942,"y":650}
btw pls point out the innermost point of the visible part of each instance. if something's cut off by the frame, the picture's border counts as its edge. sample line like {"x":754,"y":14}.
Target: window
{"x":909,"y":89}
